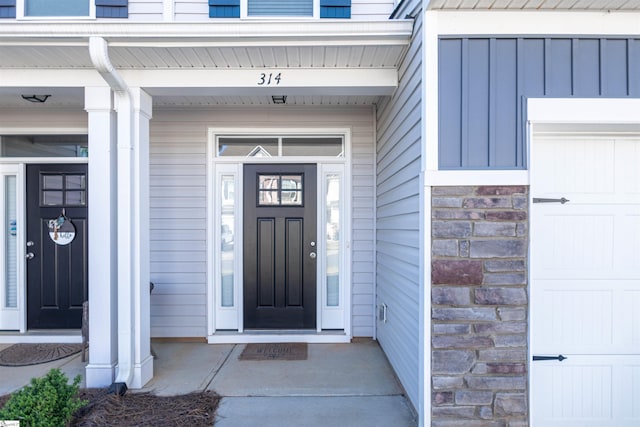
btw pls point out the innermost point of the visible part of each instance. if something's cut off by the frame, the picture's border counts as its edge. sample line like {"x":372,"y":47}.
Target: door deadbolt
{"x":313,"y":244}
{"x":30,"y":243}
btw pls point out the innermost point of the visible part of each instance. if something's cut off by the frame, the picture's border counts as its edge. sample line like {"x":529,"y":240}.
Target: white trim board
{"x":496,"y":23}
{"x":232,"y":317}
{"x":589,"y":110}
{"x":275,"y":337}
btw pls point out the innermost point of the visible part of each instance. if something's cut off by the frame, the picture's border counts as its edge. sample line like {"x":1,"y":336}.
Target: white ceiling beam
{"x":287,"y":81}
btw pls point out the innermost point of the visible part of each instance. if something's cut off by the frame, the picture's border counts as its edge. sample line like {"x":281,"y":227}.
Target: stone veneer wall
{"x":479,"y":306}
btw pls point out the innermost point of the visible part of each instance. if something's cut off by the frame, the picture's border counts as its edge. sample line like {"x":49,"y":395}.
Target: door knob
{"x":312,"y":255}
{"x":29,"y":255}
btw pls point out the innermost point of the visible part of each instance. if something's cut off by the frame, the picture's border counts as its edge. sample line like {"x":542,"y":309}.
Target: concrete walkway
{"x":339,"y":384}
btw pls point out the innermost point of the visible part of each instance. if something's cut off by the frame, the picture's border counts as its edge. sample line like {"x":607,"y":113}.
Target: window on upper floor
{"x":41,"y":8}
{"x":280,"y":8}
{"x":64,"y":9}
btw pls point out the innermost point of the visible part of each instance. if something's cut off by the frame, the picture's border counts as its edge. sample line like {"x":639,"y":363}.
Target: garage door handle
{"x":538,"y":200}
{"x":559,"y":358}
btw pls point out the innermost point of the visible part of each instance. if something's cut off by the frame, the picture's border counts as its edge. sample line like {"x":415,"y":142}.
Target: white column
{"x":143,"y":361}
{"x":100,"y":371}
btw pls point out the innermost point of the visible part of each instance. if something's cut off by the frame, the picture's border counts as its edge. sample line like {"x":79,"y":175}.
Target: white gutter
{"x":267,"y":32}
{"x":99,"y":53}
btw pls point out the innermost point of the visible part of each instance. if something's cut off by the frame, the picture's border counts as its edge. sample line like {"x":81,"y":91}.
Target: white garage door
{"x":585,"y":281}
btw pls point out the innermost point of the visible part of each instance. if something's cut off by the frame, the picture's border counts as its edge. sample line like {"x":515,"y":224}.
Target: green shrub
{"x":49,"y":401}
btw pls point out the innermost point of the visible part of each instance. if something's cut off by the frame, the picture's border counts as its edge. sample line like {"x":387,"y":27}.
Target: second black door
{"x":56,"y":245}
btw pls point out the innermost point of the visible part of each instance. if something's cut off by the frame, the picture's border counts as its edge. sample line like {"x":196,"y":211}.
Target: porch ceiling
{"x":528,"y":5}
{"x":308,"y":47}
{"x":352,"y":44}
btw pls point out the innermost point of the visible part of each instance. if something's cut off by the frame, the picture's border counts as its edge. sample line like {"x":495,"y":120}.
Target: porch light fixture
{"x":36,"y":98}
{"x":279,"y":99}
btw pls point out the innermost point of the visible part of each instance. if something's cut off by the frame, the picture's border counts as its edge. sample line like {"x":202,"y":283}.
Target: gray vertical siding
{"x":484,"y":81}
{"x":398,"y":154}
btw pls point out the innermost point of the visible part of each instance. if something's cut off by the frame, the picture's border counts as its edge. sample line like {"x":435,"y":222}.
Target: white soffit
{"x":592,"y":5}
{"x":357,"y":44}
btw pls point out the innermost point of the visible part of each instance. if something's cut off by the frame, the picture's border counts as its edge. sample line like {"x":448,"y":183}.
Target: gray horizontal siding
{"x":483,"y":83}
{"x":178,"y":198}
{"x":398,"y":215}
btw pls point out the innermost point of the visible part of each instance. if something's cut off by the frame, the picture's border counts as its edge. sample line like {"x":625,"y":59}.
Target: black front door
{"x":280,"y":246}
{"x":56,"y":245}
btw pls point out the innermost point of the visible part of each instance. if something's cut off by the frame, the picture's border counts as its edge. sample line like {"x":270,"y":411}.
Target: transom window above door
{"x":44,"y":146}
{"x":280,"y":9}
{"x":282,"y":146}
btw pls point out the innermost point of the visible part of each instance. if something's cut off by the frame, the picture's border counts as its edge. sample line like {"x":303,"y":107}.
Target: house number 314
{"x":269,"y":79}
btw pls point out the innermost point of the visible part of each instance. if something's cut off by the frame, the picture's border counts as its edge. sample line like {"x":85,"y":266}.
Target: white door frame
{"x":560,"y":115}
{"x":17,"y":166}
{"x":218,"y":166}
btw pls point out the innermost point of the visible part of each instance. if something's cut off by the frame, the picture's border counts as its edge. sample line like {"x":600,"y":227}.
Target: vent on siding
{"x":335,"y":8}
{"x":224,"y":8}
{"x":7,"y":8}
{"x":112,"y":8}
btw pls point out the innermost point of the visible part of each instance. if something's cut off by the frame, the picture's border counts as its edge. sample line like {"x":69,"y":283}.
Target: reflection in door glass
{"x":333,"y":239}
{"x":280,"y":190}
{"x":10,"y":249}
{"x":227,"y":239}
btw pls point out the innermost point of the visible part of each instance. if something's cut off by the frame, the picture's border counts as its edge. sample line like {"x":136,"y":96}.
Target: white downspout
{"x":98,"y":50}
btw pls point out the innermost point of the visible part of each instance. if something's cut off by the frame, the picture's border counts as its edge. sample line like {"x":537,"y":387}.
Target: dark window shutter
{"x":112,"y":8}
{"x":224,"y":8}
{"x":335,"y":8}
{"x":7,"y":8}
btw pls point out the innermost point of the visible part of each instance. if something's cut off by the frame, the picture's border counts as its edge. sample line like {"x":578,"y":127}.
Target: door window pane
{"x":280,"y":190}
{"x":332,"y":213}
{"x":227,"y":234}
{"x":63,"y":190}
{"x":52,"y":198}
{"x":75,"y":198}
{"x":10,"y":248}
{"x":76,"y":182}
{"x":52,"y":182}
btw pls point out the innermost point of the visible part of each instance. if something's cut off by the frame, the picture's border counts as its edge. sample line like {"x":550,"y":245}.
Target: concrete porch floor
{"x":339,"y":384}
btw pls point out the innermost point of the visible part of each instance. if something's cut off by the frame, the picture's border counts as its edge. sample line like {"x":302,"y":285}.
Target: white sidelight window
{"x":10,"y":252}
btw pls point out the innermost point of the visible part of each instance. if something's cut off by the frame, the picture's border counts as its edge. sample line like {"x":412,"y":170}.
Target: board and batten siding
{"x":198,"y":10}
{"x":178,"y":228}
{"x":398,"y":155}
{"x":484,"y":84}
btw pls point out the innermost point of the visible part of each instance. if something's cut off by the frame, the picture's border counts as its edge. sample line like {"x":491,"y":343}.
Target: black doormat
{"x":283,"y":351}
{"x":33,"y":354}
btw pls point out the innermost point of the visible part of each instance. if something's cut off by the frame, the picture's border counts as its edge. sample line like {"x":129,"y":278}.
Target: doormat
{"x":33,"y":354}
{"x":284,"y":351}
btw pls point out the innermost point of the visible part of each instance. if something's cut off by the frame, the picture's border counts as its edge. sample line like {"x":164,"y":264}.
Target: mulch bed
{"x":143,"y":409}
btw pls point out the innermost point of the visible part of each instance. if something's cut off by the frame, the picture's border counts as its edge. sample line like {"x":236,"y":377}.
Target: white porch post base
{"x":97,"y":375}
{"x":142,"y":373}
